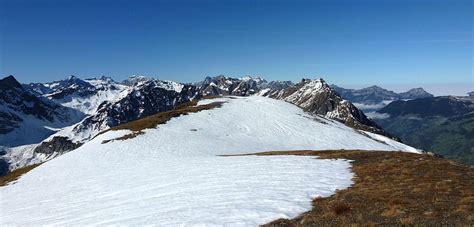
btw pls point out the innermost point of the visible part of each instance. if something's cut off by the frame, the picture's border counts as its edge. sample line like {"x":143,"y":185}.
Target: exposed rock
{"x":58,"y":144}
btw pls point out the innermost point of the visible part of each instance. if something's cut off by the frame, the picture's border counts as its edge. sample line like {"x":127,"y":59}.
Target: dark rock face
{"x":8,"y":122}
{"x":9,"y":82}
{"x":58,"y":144}
{"x":13,"y":96}
{"x":4,"y":167}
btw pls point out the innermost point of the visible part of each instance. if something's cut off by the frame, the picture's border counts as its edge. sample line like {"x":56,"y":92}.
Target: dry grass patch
{"x":15,"y":174}
{"x":393,"y":188}
{"x":153,"y":121}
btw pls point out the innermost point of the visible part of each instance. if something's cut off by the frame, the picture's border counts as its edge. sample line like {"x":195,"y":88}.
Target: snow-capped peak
{"x":169,"y":85}
{"x":315,"y":85}
{"x":137,"y":80}
{"x":246,"y":78}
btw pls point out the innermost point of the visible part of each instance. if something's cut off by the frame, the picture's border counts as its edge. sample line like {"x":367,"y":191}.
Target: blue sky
{"x":384,"y":42}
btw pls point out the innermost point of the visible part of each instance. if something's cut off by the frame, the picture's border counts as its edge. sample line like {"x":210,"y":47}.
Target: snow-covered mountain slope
{"x":107,"y":103}
{"x":101,"y":102}
{"x":173,"y":174}
{"x":83,"y":95}
{"x":145,"y":98}
{"x":26,"y":118}
{"x":316,"y":96}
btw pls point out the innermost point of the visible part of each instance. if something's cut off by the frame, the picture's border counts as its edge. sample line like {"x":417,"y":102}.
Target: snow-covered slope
{"x":173,"y":174}
{"x":82,"y":95}
{"x":100,"y":103}
{"x":316,"y":96}
{"x":26,"y":118}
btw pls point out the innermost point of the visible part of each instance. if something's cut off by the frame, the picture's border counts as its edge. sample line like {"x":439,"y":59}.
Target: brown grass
{"x":153,"y":121}
{"x":15,"y":174}
{"x":393,"y":188}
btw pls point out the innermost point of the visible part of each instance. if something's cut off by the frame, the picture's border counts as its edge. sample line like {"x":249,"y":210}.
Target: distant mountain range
{"x":444,"y":125}
{"x":40,"y":121}
{"x":374,"y":98}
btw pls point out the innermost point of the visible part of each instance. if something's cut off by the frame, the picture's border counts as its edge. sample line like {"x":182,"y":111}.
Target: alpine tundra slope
{"x":175,"y":174}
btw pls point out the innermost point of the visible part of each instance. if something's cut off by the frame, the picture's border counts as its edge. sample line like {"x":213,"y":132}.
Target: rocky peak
{"x":9,"y":82}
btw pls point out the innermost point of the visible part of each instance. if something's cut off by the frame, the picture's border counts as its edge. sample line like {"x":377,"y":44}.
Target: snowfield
{"x":173,"y":174}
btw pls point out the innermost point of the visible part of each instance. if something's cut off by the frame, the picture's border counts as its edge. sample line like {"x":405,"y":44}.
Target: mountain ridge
{"x":374,"y":97}
{"x":107,"y":103}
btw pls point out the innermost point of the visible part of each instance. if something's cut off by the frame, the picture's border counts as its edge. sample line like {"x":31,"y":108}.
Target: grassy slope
{"x":14,"y":175}
{"x":394,"y":188}
{"x":451,"y":137}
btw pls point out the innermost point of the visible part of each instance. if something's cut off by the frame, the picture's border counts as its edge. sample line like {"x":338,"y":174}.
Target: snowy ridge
{"x":134,"y":181}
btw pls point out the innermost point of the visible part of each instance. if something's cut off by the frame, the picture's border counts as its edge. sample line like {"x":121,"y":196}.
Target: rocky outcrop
{"x":57,"y":144}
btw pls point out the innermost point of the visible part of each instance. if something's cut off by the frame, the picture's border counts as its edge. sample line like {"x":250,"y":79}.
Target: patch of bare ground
{"x":393,"y":188}
{"x":15,"y":174}
{"x":153,"y":121}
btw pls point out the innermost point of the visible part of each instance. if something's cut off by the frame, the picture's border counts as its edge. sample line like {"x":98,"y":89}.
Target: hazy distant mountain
{"x":444,"y":125}
{"x":373,"y":98}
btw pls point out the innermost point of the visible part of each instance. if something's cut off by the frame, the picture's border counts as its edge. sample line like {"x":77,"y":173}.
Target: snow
{"x":33,"y":130}
{"x":392,"y":143}
{"x":173,"y":174}
{"x":170,"y":85}
{"x":90,"y":103}
{"x":209,"y":101}
{"x":21,"y":156}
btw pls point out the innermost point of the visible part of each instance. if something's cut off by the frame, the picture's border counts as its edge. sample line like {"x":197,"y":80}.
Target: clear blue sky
{"x":346,"y":42}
